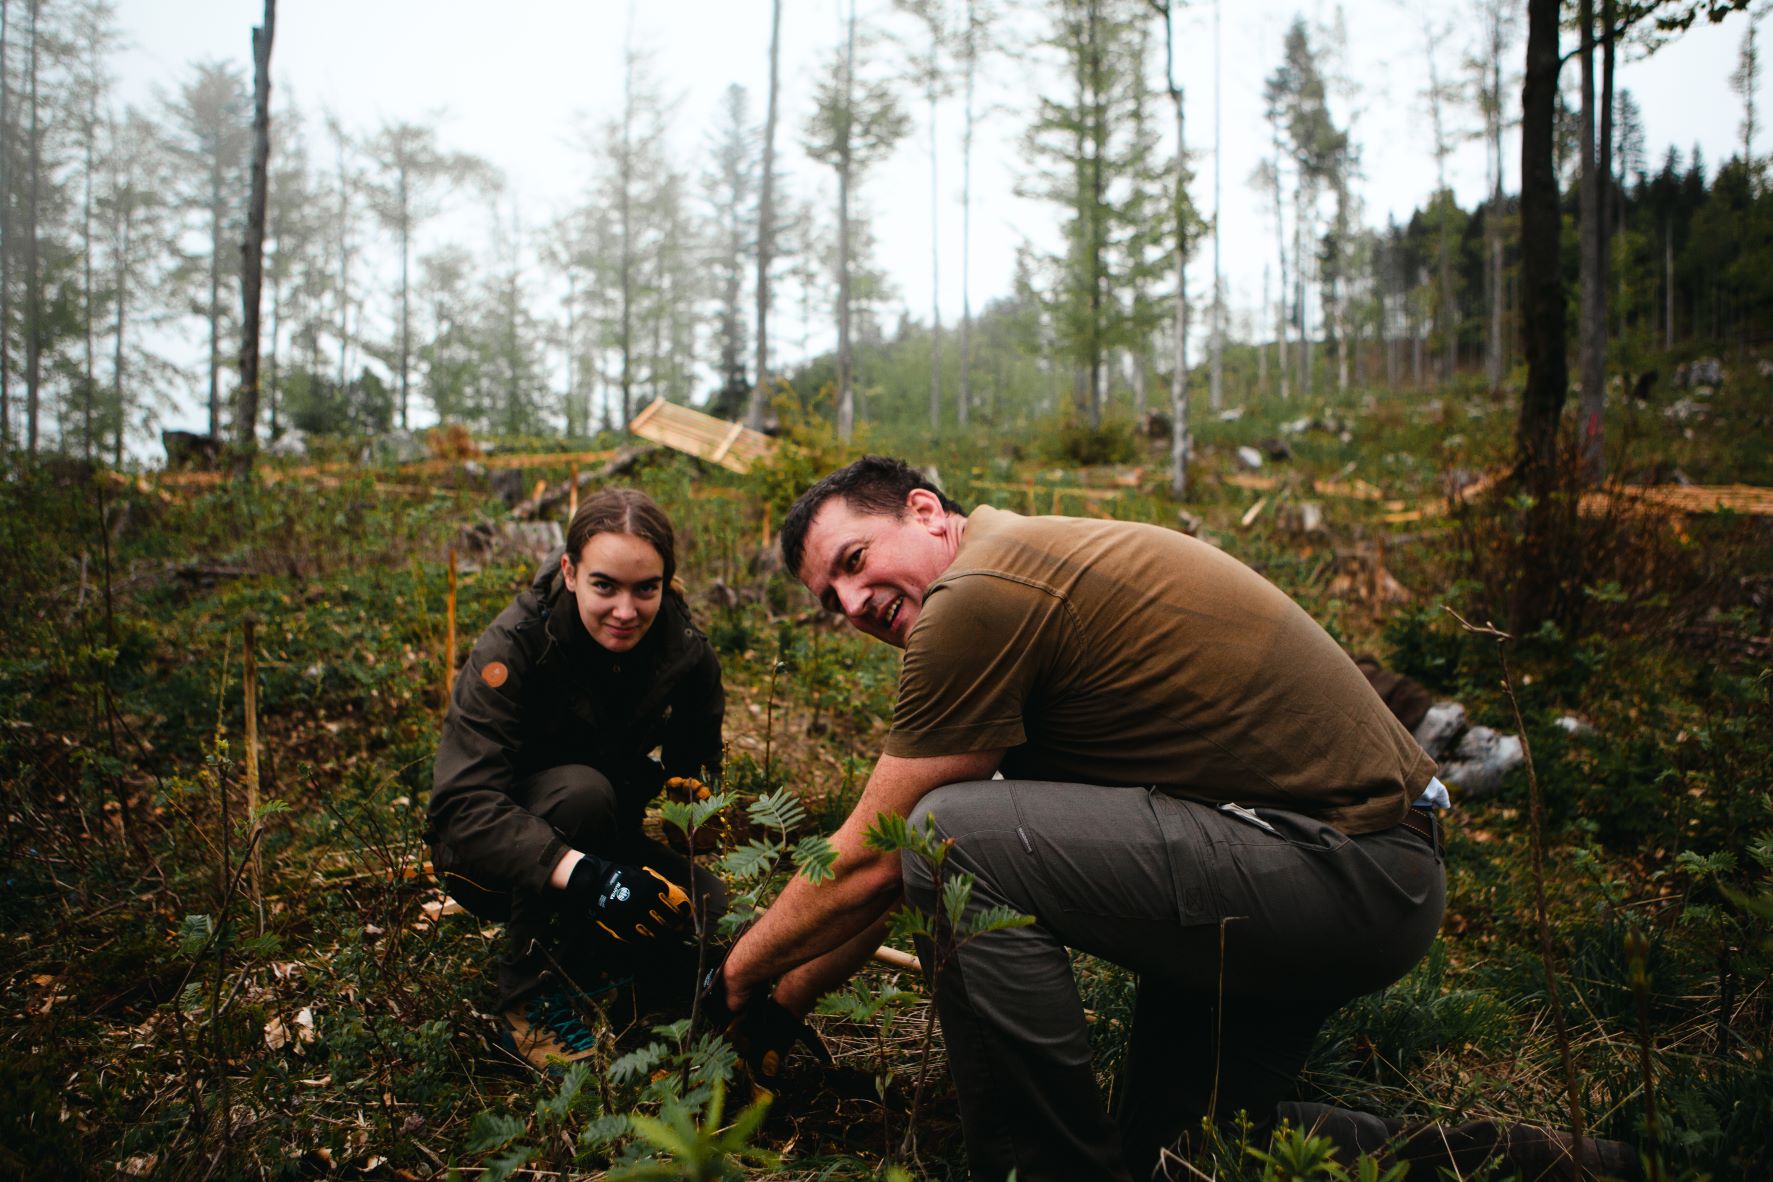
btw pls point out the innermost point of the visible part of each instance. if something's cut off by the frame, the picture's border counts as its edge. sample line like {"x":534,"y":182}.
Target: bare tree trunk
{"x":1542,"y":283}
{"x":1592,"y":327}
{"x":846,"y":396}
{"x":118,"y":354}
{"x":33,"y":280}
{"x":1180,"y":444}
{"x":1098,"y":133}
{"x":274,"y":428}
{"x":1301,"y":329}
{"x":1444,"y":195}
{"x":935,"y":254}
{"x":89,"y":378}
{"x":344,"y":257}
{"x":625,"y":177}
{"x":1493,"y":361}
{"x":1387,"y":339}
{"x":1216,"y":384}
{"x":1418,"y":340}
{"x":1262,"y":345}
{"x":253,"y":254}
{"x":963,"y":406}
{"x":766,"y":227}
{"x":217,"y":212}
{"x":1341,"y":324}
{"x":1595,"y":458}
{"x":405,"y":200}
{"x":1668,"y":284}
{"x":1283,"y":341}
{"x":6,"y":181}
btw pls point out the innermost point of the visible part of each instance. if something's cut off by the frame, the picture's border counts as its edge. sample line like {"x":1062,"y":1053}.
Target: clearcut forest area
{"x":1515,"y":456}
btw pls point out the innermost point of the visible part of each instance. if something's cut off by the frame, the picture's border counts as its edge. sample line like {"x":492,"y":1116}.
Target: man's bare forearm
{"x":800,"y":989}
{"x":809,"y":923}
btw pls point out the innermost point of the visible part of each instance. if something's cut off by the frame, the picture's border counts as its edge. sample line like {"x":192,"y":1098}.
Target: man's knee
{"x":951,"y":812}
{"x":578,"y":801}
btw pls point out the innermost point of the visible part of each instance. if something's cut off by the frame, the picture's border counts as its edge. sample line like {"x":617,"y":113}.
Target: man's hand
{"x":628,"y":904}
{"x":761,"y":1030}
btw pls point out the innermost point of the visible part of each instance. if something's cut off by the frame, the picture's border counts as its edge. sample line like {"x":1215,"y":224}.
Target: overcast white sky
{"x":518,"y":83}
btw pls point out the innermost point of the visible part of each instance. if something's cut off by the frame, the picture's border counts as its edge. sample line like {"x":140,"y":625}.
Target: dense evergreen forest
{"x":1530,"y":478}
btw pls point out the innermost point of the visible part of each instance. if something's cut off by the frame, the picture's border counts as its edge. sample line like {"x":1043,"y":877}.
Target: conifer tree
{"x":1102,"y":175}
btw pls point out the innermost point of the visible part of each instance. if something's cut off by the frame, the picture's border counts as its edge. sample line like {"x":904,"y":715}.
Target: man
{"x":1198,"y":784}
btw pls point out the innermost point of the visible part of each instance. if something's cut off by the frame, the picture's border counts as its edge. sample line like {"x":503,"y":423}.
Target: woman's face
{"x":617,"y":581}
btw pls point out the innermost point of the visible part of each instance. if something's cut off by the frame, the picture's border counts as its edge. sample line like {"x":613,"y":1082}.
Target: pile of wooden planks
{"x":733,"y":446}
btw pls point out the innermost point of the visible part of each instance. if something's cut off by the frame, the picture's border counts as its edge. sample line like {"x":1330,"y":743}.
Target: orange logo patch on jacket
{"x":494,"y":673}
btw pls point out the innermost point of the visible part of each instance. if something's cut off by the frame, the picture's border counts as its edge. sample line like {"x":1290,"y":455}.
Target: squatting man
{"x":1194,"y":781}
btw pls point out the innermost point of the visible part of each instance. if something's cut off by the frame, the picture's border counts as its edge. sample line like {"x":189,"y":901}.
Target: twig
{"x":1536,"y":830}
{"x":449,"y":652}
{"x":250,"y":678}
{"x":769,"y":717}
{"x":1637,"y":949}
{"x":129,"y":832}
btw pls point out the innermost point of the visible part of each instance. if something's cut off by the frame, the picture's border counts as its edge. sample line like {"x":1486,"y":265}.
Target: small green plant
{"x":690,"y":1150}
{"x":755,"y":868}
{"x":1297,"y":1156}
{"x":939,"y":936}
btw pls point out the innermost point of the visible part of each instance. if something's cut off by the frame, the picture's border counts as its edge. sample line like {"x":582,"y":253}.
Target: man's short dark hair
{"x":872,"y":484}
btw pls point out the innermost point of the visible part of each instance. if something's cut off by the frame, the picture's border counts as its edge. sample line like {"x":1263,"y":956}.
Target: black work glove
{"x":628,"y":904}
{"x":761,"y":1031}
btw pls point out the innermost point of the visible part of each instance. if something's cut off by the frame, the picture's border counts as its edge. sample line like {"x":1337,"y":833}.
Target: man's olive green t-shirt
{"x":1107,"y":652}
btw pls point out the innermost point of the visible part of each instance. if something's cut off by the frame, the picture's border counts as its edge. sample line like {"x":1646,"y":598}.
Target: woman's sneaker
{"x":548,"y":1031}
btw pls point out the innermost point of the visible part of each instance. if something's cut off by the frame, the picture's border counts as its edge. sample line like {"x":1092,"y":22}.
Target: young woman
{"x":544,"y":773}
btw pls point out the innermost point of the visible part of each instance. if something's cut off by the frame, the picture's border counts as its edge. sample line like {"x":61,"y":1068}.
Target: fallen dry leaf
{"x":438,"y":908}
{"x":300,"y":1031}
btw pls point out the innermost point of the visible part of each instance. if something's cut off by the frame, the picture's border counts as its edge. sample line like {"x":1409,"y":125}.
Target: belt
{"x":1425,"y":825}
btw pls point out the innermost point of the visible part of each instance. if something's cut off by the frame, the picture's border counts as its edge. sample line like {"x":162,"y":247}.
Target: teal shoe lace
{"x":555,"y":1013}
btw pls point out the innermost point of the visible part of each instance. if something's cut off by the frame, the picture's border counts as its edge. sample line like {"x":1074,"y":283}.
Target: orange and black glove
{"x":628,"y":904}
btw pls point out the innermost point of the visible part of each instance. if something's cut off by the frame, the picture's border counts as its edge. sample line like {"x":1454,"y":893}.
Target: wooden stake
{"x":893,"y":958}
{"x":572,"y":496}
{"x":449,"y":652}
{"x":766,"y":525}
{"x":250,"y":675}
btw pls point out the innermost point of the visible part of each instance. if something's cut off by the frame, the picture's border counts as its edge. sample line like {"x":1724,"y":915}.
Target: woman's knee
{"x":577,"y":800}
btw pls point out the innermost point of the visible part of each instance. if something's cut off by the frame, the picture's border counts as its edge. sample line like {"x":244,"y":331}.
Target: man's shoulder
{"x":1031,"y":548}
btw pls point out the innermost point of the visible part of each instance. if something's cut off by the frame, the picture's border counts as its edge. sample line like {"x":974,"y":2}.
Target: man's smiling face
{"x":874,"y":569}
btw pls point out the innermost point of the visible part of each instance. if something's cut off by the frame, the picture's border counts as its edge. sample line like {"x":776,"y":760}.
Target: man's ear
{"x":925,"y":508}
